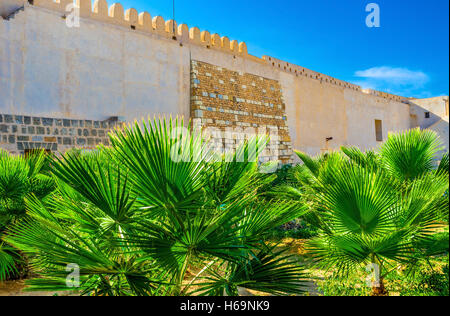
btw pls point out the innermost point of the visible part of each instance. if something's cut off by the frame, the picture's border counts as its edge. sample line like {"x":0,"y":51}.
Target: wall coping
{"x":130,"y":18}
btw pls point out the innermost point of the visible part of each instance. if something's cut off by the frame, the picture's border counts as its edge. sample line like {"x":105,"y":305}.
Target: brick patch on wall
{"x":223,"y":99}
{"x":19,"y":133}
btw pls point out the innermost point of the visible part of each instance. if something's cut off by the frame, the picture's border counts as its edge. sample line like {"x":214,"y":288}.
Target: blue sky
{"x":407,"y":55}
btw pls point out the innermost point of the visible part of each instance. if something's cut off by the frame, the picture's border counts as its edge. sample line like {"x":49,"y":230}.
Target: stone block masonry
{"x":19,"y":133}
{"x":226,"y":99}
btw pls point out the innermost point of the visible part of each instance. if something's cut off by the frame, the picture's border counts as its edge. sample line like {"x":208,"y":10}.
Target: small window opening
{"x":427,"y":115}
{"x":379,"y":130}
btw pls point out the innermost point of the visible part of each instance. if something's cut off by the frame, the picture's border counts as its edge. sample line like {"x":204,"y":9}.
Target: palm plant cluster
{"x":19,"y":177}
{"x":131,"y":220}
{"x":384,"y":210}
{"x":136,"y":222}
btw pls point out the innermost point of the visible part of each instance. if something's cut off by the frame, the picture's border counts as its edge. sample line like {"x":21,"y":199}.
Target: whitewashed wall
{"x":102,"y":69}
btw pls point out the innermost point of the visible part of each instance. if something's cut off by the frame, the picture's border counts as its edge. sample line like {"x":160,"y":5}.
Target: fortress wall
{"x":19,"y":133}
{"x":441,"y":128}
{"x":227,"y":102}
{"x":98,"y":69}
{"x":130,"y":65}
{"x":363,"y":110}
{"x":317,"y":110}
{"x":433,"y":114}
{"x":437,"y":108}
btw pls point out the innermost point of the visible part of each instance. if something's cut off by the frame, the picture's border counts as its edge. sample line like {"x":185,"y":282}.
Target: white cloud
{"x":394,"y":75}
{"x":396,"y":80}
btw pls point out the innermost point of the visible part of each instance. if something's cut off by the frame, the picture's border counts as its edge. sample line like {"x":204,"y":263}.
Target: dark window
{"x":427,"y":114}
{"x":379,"y":130}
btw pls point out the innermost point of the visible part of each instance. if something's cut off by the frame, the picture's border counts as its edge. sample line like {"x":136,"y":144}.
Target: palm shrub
{"x":380,"y":209}
{"x":19,"y":177}
{"x":151,"y":216}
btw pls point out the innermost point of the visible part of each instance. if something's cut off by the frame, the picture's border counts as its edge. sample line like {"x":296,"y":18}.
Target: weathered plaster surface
{"x":441,"y":128}
{"x":8,"y":6}
{"x":432,"y":113}
{"x":362,"y":111}
{"x":97,"y":69}
{"x":129,"y":66}
{"x":436,"y":107}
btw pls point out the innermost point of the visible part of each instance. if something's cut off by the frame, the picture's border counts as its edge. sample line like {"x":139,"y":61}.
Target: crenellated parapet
{"x":386,"y":95}
{"x":130,"y":18}
{"x":302,"y":71}
{"x":115,"y":14}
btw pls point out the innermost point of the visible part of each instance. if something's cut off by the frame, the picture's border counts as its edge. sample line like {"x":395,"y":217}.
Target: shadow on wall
{"x":433,"y":114}
{"x":9,"y":6}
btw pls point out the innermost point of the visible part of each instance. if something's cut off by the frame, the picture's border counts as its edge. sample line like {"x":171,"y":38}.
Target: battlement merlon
{"x":302,"y":71}
{"x":386,"y":95}
{"x":130,"y":18}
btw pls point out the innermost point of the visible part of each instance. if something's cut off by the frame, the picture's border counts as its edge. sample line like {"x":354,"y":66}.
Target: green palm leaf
{"x":359,"y":201}
{"x":269,"y":271}
{"x":410,"y":154}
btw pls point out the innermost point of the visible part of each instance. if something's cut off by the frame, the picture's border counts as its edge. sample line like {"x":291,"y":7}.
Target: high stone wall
{"x":242,"y":103}
{"x":121,"y":63}
{"x":20,"y":133}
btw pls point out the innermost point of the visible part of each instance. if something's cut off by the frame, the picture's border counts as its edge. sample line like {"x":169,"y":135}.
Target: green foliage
{"x":158,"y":214}
{"x":353,"y":284}
{"x":20,"y":177}
{"x":148,"y":217}
{"x":297,"y":229}
{"x":411,"y":154}
{"x":381,"y":208}
{"x":269,"y":271}
{"x":431,"y":279}
{"x":444,"y":164}
{"x":288,"y":184}
{"x":280,"y":177}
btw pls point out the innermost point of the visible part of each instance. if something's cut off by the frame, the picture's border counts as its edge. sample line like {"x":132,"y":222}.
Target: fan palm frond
{"x":410,"y":154}
{"x":359,"y":200}
{"x":8,"y":260}
{"x":270,"y":271}
{"x":309,"y":162}
{"x":444,"y":164}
